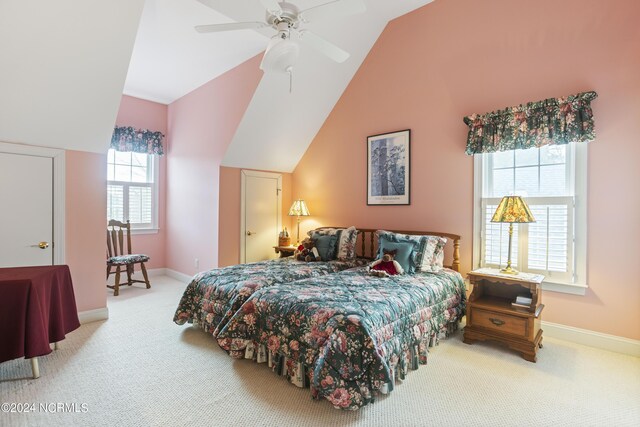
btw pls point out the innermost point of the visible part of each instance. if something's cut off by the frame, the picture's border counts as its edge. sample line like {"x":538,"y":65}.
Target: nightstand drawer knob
{"x":496,"y":322}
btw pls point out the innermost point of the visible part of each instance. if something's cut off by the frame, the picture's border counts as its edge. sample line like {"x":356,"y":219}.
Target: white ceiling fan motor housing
{"x":289,"y":14}
{"x":282,"y":52}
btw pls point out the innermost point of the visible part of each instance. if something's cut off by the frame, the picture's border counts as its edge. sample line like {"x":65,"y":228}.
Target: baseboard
{"x":93,"y":315}
{"x":592,"y":339}
{"x":151,"y":272}
{"x":184,"y":278}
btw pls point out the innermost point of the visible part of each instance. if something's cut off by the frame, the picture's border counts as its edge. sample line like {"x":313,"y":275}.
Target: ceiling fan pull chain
{"x":290,"y":71}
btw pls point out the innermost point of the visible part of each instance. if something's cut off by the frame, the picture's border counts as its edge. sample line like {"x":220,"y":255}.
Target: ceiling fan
{"x":284,"y":17}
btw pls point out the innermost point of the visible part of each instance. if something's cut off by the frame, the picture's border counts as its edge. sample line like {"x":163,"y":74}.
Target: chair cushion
{"x":127,"y":259}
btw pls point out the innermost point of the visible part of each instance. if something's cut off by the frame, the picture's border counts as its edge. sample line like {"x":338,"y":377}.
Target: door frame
{"x":58,"y":158}
{"x":243,"y":209}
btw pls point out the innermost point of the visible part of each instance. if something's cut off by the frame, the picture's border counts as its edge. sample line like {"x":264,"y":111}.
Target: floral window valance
{"x":137,"y":140}
{"x":548,"y":122}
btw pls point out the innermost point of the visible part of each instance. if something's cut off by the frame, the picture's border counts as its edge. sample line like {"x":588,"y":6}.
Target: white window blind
{"x":131,"y":192}
{"x":545,"y":178}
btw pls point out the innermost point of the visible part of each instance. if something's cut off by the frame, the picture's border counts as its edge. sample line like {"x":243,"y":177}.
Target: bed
{"x":213,"y":296}
{"x":350,"y":335}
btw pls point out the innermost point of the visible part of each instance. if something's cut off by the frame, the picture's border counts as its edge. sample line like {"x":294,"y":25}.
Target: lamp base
{"x":509,"y":270}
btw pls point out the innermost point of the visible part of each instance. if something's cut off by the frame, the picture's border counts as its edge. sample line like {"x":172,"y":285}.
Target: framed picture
{"x":388,"y":177}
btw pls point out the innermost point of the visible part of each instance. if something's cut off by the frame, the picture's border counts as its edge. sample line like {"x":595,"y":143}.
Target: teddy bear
{"x":387,"y":265}
{"x":307,"y":251}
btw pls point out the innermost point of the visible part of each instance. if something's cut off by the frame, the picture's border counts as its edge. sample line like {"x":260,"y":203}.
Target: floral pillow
{"x":345,"y":242}
{"x":428,"y":252}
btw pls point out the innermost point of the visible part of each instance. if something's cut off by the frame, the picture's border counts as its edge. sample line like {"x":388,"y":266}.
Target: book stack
{"x":522,"y":301}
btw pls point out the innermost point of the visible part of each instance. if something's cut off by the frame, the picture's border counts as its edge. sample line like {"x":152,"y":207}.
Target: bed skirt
{"x":302,"y":375}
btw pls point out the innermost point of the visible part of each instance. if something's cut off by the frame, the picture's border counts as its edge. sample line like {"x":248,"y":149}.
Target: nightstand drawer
{"x":499,"y":322}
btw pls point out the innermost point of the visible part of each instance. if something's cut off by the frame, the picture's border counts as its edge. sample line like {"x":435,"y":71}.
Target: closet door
{"x":26,"y":210}
{"x":261,"y":215}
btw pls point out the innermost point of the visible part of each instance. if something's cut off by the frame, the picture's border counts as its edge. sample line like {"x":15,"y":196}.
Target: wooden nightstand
{"x":285,"y":251}
{"x":491,"y":316}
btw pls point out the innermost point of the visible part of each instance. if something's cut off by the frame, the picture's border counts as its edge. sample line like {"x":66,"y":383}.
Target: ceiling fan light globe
{"x":280,"y":56}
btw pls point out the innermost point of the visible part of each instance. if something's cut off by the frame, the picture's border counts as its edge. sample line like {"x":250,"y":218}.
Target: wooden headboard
{"x":366,"y":246}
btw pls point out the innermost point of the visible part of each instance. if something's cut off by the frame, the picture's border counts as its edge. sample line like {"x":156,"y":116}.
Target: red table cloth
{"x":37,"y":307}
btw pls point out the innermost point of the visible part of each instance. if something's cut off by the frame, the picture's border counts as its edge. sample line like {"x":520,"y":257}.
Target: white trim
{"x":151,"y":272}
{"x":478,"y":215}
{"x":59,"y":184}
{"x":578,"y":157}
{"x":93,"y":315}
{"x":565,"y":288}
{"x":184,"y":278}
{"x":155,"y":272}
{"x":243,"y":223}
{"x":135,"y":231}
{"x":153,"y":165}
{"x":59,"y":203}
{"x":156,"y":191}
{"x":580,"y":208}
{"x":592,"y":339}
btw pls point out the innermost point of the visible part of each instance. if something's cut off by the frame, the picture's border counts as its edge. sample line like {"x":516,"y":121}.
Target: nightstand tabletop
{"x":495,"y":273}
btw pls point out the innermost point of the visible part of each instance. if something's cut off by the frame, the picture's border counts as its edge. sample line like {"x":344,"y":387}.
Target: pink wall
{"x":451,"y":58}
{"x":85,"y":205}
{"x":229,"y":220}
{"x":201,"y":126}
{"x":142,"y":114}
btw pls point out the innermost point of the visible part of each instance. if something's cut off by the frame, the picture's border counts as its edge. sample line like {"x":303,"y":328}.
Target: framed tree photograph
{"x":388,"y":163}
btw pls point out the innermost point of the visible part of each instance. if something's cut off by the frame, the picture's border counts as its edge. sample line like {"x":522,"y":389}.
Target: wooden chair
{"x":117,"y":257}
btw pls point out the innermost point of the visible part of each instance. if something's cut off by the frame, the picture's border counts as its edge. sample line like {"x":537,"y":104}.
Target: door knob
{"x":41,"y":245}
{"x":249,"y":233}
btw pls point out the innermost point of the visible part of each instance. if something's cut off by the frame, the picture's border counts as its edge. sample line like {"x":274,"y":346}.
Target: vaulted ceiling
{"x":63,"y":68}
{"x":278,"y":126}
{"x":65,"y":64}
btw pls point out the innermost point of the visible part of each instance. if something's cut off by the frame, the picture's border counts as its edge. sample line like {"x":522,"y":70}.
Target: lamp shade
{"x":299,"y":208}
{"x":513,"y":209}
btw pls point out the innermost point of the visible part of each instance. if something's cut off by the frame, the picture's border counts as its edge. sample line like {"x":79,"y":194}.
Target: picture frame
{"x":389,"y":168}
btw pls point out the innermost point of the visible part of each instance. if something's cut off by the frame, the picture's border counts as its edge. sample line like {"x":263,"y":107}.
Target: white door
{"x":26,"y":210}
{"x":261,"y":215}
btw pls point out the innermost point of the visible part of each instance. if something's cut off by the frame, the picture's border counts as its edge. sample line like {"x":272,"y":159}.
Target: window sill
{"x":565,"y":288}
{"x":135,"y":231}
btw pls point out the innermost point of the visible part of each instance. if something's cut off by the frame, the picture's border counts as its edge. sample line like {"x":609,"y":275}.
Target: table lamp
{"x":512,"y":209}
{"x":299,"y":208}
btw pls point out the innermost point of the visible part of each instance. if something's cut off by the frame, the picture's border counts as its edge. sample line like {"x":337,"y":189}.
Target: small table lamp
{"x":299,"y":208}
{"x":512,"y":209}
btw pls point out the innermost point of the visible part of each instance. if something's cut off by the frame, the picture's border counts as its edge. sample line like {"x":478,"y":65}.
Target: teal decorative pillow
{"x":345,"y":243}
{"x":404,"y":254}
{"x":326,"y":246}
{"x":428,"y":250}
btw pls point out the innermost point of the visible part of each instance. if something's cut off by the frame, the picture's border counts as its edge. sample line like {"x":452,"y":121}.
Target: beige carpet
{"x":140,"y":369}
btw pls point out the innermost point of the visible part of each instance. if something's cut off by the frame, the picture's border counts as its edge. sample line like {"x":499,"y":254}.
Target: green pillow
{"x":404,"y":256}
{"x":326,"y":245}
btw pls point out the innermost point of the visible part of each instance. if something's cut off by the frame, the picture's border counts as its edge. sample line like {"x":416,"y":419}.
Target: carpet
{"x":140,"y":369}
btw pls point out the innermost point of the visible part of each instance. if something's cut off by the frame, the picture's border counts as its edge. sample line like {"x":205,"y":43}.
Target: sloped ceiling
{"x":170,"y":59}
{"x":64,"y":65}
{"x":278,"y":126}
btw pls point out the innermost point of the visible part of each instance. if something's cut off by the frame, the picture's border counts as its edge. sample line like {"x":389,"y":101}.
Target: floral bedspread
{"x":347,"y":335}
{"x":214,"y":296}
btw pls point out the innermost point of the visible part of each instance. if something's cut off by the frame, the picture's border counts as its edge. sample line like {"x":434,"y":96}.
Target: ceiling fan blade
{"x":272,"y":7}
{"x":230,"y":26}
{"x":332,"y":9}
{"x":324,"y":46}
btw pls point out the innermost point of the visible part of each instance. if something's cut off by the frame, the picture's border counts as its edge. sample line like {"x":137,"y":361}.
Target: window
{"x":131,"y":188}
{"x":552,"y":180}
